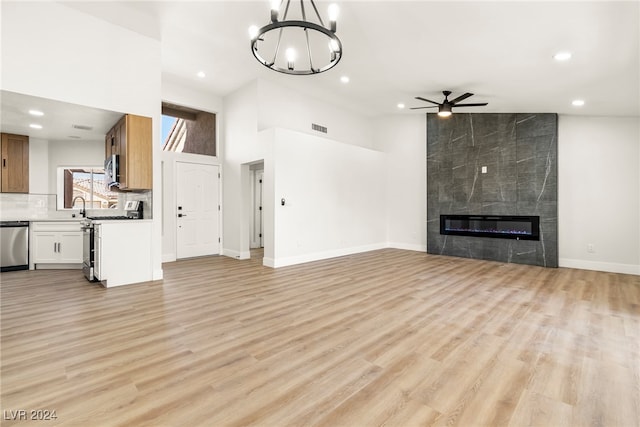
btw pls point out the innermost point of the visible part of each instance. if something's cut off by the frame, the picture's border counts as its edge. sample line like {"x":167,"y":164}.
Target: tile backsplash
{"x":27,"y":206}
{"x":30,"y":207}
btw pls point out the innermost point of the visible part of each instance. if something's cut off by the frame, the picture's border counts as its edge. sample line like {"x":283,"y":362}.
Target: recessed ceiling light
{"x":35,"y":126}
{"x":562,"y":56}
{"x":577,"y":102}
{"x":36,"y":113}
{"x":401,"y":105}
{"x":201,"y":74}
{"x":344,"y":79}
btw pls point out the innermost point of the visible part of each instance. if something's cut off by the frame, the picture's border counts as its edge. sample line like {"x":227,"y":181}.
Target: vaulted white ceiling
{"x":395,"y":50}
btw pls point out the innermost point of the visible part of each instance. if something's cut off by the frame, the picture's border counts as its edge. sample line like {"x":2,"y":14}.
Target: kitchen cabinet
{"x":130,"y":139}
{"x":56,"y":244}
{"x":122,"y":252}
{"x":15,"y":163}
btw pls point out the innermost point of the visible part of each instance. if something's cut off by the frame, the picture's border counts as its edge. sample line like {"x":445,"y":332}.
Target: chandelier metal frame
{"x":306,"y":26}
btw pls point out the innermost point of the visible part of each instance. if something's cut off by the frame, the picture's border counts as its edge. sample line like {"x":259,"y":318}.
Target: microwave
{"x":111,"y":171}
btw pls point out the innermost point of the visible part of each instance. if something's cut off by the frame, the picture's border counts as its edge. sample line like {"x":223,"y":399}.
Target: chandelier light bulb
{"x":333,"y":45}
{"x":290,"y":54}
{"x":334,"y":10}
{"x":275,"y":7}
{"x":333,"y":16}
{"x":253,"y":32}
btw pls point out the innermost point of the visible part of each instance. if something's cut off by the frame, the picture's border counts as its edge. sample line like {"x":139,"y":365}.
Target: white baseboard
{"x":236,"y":254}
{"x":316,"y":256}
{"x":268,"y":262}
{"x":158,"y":274}
{"x":610,"y":267}
{"x":44,"y":266}
{"x":407,"y":246}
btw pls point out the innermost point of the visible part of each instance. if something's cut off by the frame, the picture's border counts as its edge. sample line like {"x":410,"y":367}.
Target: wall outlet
{"x":591,"y":248}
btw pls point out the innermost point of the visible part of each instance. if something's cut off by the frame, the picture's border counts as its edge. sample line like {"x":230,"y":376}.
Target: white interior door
{"x":197,"y":210}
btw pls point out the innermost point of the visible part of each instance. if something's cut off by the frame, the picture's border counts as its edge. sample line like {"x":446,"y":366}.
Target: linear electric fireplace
{"x":498,"y":226}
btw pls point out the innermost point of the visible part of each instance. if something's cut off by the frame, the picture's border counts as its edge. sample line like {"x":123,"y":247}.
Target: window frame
{"x":60,"y":186}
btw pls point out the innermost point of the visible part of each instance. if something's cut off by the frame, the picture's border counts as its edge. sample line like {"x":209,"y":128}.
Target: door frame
{"x":174,"y":209}
{"x":257,"y":199}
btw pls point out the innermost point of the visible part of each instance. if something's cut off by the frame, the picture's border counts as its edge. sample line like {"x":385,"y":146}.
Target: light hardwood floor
{"x":389,"y":337}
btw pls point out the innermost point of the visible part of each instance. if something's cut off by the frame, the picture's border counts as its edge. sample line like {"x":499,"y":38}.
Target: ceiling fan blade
{"x":427,"y":100}
{"x":461,"y":98}
{"x":419,"y":108}
{"x":480,"y":104}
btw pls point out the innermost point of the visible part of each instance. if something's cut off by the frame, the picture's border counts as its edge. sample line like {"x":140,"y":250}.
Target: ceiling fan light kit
{"x":445,"y":108}
{"x":276,"y":45}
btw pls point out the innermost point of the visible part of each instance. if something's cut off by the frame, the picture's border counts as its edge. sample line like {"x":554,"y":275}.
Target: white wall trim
{"x":158,"y":274}
{"x":408,"y":246}
{"x":610,"y":267}
{"x":316,"y":256}
{"x":268,"y":262}
{"x":236,"y":254}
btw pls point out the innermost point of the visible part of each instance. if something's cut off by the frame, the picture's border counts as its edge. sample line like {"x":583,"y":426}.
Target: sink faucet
{"x":83,"y":211}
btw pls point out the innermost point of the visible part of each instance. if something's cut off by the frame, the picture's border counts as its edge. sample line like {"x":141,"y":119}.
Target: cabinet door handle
{"x":59,"y":247}
{"x":55,"y":247}
{"x":4,"y":163}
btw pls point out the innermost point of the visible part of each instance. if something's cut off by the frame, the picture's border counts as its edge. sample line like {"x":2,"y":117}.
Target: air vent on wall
{"x":82,"y":127}
{"x":318,"y":128}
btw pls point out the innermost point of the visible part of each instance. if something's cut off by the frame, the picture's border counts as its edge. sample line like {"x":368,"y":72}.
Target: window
{"x":186,"y":130}
{"x":86,"y":182}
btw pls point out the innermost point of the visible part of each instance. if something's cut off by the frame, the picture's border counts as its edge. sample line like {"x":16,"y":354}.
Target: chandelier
{"x":301,"y":29}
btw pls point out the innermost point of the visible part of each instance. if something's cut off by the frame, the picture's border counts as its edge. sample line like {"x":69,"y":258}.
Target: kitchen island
{"x":122,"y":251}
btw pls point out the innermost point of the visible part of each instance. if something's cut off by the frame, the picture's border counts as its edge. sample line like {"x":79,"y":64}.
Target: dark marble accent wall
{"x":520,"y":152}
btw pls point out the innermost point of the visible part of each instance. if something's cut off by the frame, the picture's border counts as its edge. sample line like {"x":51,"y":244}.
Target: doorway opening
{"x":256,"y":225}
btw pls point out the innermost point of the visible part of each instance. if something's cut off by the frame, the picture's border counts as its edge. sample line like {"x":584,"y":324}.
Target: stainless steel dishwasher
{"x":14,"y":245}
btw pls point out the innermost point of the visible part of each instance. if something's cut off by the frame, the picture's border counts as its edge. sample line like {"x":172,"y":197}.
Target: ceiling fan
{"x":444,"y":108}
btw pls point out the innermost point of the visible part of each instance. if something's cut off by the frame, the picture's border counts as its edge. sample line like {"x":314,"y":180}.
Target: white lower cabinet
{"x":122,"y":252}
{"x":56,"y":244}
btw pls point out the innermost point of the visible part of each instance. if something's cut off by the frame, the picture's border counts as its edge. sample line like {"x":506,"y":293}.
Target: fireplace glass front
{"x":498,"y":226}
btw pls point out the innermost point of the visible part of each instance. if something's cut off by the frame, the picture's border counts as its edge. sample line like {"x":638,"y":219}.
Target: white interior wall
{"x":263,"y":106}
{"x":403,"y":139}
{"x":281,"y":107}
{"x":599,"y":193}
{"x":71,"y":153}
{"x":240,"y":147}
{"x":38,"y":166}
{"x":331,"y":207}
{"x":51,"y":50}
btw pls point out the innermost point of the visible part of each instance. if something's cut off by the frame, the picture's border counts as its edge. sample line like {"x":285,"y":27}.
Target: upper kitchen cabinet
{"x":130,"y":139}
{"x":15,"y":163}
